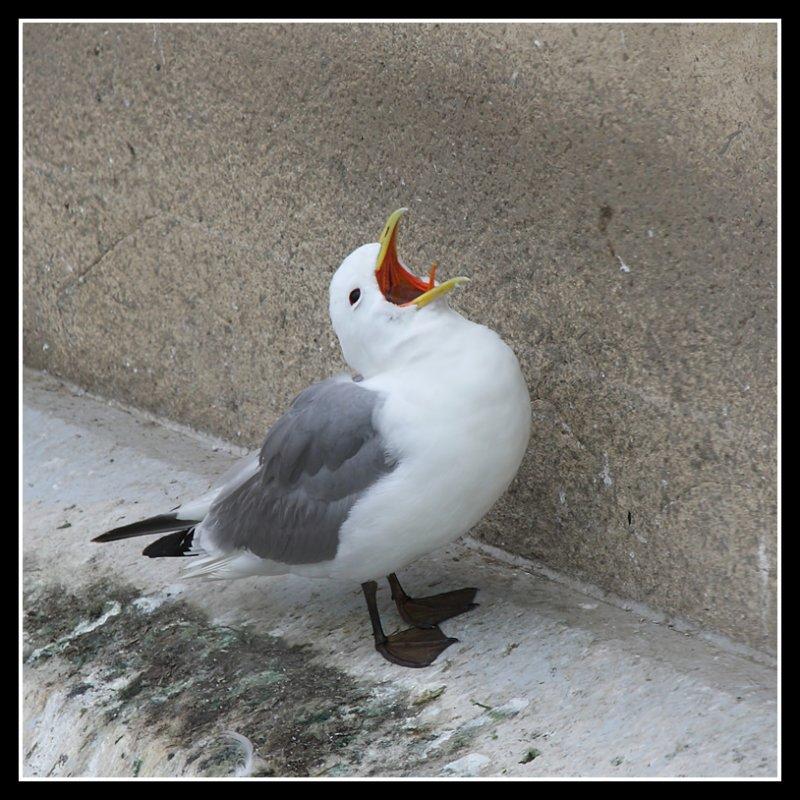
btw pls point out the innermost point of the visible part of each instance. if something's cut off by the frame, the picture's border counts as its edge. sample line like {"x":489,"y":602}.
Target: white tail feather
{"x":212,"y":567}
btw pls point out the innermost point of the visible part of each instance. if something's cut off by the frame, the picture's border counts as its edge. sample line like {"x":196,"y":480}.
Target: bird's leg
{"x":414,"y":647}
{"x":427,"y":612}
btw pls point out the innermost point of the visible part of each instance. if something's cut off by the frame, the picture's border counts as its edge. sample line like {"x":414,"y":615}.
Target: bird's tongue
{"x":398,"y":284}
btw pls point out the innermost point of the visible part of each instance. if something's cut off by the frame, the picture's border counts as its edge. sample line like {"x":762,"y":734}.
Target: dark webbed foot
{"x":426,"y":612}
{"x":415,"y":647}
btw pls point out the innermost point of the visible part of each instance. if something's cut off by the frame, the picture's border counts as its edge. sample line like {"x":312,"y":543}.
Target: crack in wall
{"x":80,"y":276}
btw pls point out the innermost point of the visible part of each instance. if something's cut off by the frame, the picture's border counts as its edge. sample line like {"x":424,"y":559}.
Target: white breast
{"x":459,"y":423}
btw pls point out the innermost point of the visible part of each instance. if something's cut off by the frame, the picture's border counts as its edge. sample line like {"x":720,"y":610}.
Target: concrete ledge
{"x":129,"y":671}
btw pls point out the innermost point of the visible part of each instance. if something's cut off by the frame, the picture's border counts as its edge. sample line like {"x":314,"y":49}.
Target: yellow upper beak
{"x":396,"y":281}
{"x":387,"y":236}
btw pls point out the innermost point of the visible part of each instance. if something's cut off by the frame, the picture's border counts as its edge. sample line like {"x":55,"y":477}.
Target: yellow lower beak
{"x":437,"y":291}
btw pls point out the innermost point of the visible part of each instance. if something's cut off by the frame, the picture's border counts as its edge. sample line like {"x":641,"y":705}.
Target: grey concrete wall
{"x":611,"y":189}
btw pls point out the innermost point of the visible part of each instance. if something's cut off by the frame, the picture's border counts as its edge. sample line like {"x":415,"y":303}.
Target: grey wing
{"x":316,"y":461}
{"x":197,"y":508}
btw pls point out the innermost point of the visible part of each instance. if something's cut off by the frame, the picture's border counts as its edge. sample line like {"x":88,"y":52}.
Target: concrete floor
{"x":130,"y":670}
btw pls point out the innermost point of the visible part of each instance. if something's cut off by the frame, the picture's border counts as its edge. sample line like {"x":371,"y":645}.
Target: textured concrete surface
{"x":131,"y":671}
{"x":611,"y":190}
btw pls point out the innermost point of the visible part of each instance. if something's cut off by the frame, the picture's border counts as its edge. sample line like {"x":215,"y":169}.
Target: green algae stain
{"x":184,"y":679}
{"x":429,"y":696}
{"x":530,"y":755}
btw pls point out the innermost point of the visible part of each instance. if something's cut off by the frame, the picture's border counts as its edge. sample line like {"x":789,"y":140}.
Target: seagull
{"x":366,"y":472}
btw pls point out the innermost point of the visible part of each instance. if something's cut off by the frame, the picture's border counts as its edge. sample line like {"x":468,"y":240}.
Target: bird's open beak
{"x":397,"y":283}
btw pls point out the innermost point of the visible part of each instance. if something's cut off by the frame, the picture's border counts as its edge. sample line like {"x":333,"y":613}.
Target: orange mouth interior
{"x":397,"y":283}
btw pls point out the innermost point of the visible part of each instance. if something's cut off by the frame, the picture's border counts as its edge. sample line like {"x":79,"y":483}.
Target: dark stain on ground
{"x":606,"y":214}
{"x":194,"y":679}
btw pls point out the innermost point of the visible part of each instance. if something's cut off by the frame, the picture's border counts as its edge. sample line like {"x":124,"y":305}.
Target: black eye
{"x":354,"y":296}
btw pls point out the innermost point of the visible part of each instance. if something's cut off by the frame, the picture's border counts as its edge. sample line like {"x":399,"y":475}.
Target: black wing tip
{"x":161,"y":523}
{"x":108,"y":536}
{"x":172,"y":545}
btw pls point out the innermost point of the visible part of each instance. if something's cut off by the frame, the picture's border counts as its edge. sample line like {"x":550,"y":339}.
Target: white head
{"x":383,"y":314}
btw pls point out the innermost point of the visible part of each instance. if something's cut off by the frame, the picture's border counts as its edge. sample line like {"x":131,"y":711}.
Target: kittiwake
{"x":365,"y":473}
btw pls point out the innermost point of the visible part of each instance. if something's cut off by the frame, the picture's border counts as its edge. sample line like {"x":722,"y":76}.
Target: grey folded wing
{"x":315,"y":463}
